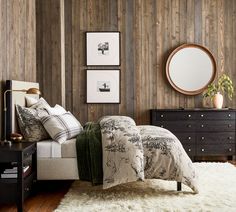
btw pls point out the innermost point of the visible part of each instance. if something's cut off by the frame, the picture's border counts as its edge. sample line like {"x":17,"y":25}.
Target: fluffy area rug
{"x":217,"y":193}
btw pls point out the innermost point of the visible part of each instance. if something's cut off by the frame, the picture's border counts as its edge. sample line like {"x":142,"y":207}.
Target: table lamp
{"x":28,"y":91}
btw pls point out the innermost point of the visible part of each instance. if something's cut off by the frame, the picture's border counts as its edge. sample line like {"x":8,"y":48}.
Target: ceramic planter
{"x":218,"y":100}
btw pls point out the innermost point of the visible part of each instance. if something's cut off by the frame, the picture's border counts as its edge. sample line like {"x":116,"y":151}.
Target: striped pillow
{"x":61,"y":127}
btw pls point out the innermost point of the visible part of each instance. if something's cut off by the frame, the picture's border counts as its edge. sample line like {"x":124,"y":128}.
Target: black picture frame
{"x":103,"y":48}
{"x":103,"y":86}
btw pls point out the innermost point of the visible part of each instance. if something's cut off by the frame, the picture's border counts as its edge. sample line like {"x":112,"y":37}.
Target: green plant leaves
{"x":224,"y":85}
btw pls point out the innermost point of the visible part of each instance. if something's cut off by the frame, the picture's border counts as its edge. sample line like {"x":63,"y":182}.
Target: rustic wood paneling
{"x":150,"y":30}
{"x":17,"y":42}
{"x":49,"y":62}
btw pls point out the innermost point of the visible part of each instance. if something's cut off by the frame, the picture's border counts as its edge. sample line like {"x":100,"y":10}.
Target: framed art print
{"x":102,"y":48}
{"x":103,"y":86}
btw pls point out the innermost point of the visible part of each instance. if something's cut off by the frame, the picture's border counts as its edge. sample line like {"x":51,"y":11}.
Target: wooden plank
{"x":68,"y":54}
{"x":3,"y":54}
{"x":55,"y":31}
{"x":190,"y":39}
{"x":30,"y":41}
{"x":198,"y":39}
{"x":138,"y":59}
{"x":62,"y":59}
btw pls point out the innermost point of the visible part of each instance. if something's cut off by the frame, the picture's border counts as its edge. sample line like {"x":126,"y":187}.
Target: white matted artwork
{"x":103,"y":86}
{"x":102,"y":48}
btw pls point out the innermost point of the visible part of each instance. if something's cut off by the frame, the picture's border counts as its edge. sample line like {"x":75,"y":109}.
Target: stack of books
{"x":12,"y":172}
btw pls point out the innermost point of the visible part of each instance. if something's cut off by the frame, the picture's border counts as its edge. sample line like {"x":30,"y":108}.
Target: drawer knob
{"x":162,"y":115}
{"x":230,"y":138}
{"x":229,"y":125}
{"x":162,"y":126}
{"x":202,"y":137}
{"x":189,"y":126}
{"x":189,"y":115}
{"x":189,"y":138}
{"x":26,"y":189}
{"x":230,"y":150}
{"x":202,"y":125}
{"x":229,"y":115}
{"x":203,"y":150}
{"x":189,"y":150}
{"x":202,"y":115}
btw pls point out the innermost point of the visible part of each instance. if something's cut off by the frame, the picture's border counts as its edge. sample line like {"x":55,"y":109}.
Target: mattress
{"x":52,"y":149}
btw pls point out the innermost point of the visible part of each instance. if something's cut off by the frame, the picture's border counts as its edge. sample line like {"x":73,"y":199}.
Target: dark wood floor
{"x":47,"y":197}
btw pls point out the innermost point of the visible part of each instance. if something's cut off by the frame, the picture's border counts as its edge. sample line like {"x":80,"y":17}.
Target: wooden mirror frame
{"x":194,"y":92}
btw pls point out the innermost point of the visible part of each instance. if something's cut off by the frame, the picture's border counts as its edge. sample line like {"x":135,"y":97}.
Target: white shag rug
{"x":217,"y":193}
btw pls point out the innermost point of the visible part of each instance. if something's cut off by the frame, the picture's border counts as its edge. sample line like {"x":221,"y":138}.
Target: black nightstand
{"x":20,"y":155}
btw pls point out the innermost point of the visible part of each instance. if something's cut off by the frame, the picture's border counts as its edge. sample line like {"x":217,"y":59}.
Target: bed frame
{"x":47,"y":168}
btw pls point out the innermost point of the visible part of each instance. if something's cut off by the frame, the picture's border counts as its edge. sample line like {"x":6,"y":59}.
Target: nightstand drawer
{"x":216,"y":138}
{"x":29,"y":151}
{"x":209,"y":150}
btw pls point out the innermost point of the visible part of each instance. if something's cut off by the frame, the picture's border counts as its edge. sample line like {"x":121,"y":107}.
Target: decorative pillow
{"x":30,"y":124}
{"x":30,"y":101}
{"x":41,"y":103}
{"x":56,"y":110}
{"x":61,"y":127}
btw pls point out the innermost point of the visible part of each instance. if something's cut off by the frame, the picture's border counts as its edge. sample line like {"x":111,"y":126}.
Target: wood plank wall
{"x":48,"y":42}
{"x":17,"y":43}
{"x":150,"y":30}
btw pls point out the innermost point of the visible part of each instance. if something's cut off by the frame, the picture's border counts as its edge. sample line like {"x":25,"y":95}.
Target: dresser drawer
{"x":215,"y":138}
{"x":209,"y":150}
{"x":162,"y":116}
{"x":218,"y":115}
{"x":215,"y":126}
{"x":186,"y":138}
{"x":190,"y":149}
{"x":177,"y":126}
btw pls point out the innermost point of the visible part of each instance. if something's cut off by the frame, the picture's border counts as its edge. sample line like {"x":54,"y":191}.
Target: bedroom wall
{"x":17,"y":43}
{"x":150,"y":30}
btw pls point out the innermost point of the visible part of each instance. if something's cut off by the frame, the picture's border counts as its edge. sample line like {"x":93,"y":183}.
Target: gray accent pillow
{"x":30,"y":124}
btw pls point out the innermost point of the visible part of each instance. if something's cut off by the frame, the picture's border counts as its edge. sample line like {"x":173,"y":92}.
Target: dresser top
{"x":198,"y":109}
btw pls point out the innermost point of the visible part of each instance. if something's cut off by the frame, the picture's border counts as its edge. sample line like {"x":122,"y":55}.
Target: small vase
{"x":218,"y":100}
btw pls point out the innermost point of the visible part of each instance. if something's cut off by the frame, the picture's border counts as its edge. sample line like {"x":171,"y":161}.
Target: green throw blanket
{"x":89,"y":153}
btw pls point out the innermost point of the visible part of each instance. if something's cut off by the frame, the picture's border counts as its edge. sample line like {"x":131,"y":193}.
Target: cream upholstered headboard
{"x":14,"y":98}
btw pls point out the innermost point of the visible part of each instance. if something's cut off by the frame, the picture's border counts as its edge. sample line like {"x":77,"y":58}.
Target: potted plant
{"x":214,"y":90}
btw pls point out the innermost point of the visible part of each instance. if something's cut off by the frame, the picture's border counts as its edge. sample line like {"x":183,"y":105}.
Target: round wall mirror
{"x":190,"y":68}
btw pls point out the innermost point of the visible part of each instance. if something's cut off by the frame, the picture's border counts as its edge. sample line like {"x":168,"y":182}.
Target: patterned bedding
{"x":133,"y":153}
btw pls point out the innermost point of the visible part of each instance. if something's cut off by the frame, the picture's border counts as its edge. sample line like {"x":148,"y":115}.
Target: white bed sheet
{"x":52,"y":149}
{"x":48,"y":149}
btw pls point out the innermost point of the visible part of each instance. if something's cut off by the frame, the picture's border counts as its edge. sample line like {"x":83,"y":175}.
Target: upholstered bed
{"x":54,"y":161}
{"x":128,"y":152}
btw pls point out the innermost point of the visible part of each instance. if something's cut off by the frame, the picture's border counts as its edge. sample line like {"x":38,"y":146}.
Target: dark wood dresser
{"x":202,"y":132}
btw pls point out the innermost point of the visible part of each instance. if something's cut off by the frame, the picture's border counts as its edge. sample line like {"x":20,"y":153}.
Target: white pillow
{"x":30,"y":101}
{"x":41,"y":103}
{"x":61,"y":127}
{"x":56,"y":110}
